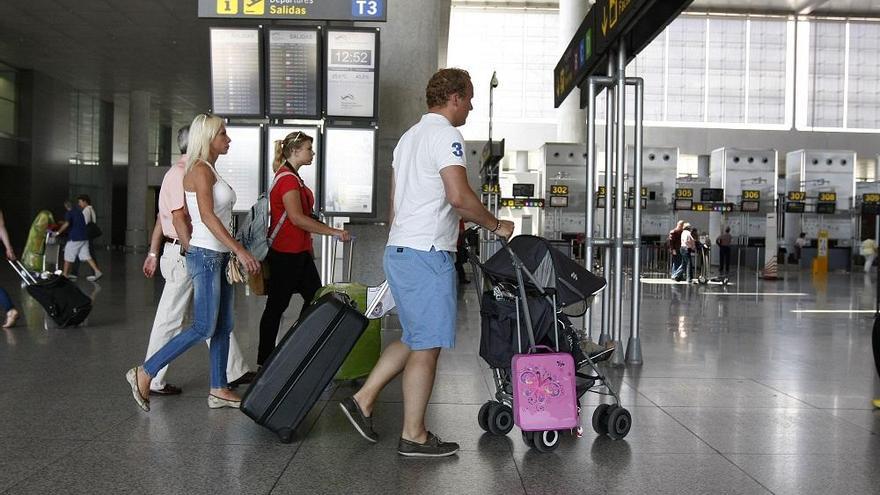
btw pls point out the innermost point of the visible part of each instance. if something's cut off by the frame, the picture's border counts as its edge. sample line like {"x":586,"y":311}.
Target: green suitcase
{"x":365,"y":354}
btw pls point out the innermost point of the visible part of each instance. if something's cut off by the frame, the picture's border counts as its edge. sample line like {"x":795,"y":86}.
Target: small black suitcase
{"x":63,"y":301}
{"x":303,"y":364}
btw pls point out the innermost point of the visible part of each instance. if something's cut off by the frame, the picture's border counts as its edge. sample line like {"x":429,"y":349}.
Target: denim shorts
{"x":424,"y":289}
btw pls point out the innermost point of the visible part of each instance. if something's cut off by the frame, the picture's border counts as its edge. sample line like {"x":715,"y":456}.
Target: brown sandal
{"x":131,"y":376}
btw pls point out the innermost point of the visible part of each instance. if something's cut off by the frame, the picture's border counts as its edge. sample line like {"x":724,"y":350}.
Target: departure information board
{"x":240,"y":167}
{"x":349,"y":171}
{"x":235,"y":72}
{"x":309,"y":173}
{"x":293,"y":73}
{"x":352,"y":70}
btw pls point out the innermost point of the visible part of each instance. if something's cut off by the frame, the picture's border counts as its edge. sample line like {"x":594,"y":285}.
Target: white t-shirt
{"x":89,"y":214}
{"x":422,"y":216}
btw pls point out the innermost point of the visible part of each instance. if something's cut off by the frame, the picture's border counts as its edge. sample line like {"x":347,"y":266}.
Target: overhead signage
{"x":491,"y":188}
{"x":613,"y":17}
{"x":235,"y":72}
{"x":684,"y":193}
{"x":683,"y":204}
{"x":558,"y":201}
{"x":713,"y":207}
{"x":315,"y":10}
{"x":751,"y":195}
{"x":352,"y":65}
{"x":560,"y":190}
{"x":796,"y":195}
{"x":524,"y":190}
{"x":576,"y":60}
{"x":828,"y":197}
{"x":293,"y":73}
{"x":522,"y":203}
{"x":632,"y":191}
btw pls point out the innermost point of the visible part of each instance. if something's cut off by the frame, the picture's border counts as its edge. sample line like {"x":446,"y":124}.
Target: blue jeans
{"x":212,"y":315}
{"x":5,"y":301}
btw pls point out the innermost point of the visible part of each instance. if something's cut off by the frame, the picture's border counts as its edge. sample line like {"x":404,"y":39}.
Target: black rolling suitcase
{"x":61,"y":298}
{"x":303,"y":364}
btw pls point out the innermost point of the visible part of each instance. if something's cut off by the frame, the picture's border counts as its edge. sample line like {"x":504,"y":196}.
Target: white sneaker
{"x":96,"y":276}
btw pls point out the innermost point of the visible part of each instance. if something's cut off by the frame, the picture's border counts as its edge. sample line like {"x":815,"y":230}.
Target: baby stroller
{"x":529,"y":281}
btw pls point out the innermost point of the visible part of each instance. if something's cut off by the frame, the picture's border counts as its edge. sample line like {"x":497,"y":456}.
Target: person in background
{"x":869,"y":251}
{"x":799,"y":244}
{"x":209,"y":201}
{"x":6,"y":305}
{"x":684,"y":252}
{"x":429,"y":193}
{"x":723,"y":241}
{"x":173,"y":231}
{"x":77,"y":247}
{"x":290,"y":259}
{"x":84,"y":202}
{"x":674,"y":241}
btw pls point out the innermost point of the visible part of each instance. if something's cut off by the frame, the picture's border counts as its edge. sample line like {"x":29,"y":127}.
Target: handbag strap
{"x":283,"y":215}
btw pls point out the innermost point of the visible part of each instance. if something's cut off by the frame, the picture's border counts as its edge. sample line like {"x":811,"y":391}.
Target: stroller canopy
{"x":552,"y":269}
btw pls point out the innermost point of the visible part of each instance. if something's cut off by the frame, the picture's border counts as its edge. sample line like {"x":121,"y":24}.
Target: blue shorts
{"x":425,"y":292}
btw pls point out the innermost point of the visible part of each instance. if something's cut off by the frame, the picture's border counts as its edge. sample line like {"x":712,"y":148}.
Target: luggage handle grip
{"x":534,"y":348}
{"x":22,"y":272}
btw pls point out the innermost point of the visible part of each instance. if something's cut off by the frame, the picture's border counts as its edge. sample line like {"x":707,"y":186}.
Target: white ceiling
{"x":116,"y":46}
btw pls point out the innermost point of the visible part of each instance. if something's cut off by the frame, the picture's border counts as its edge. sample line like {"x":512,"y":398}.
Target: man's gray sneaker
{"x":361,"y":423}
{"x":433,"y":447}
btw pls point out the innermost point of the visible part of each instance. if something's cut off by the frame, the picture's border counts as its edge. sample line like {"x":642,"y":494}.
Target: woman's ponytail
{"x":279,"y":155}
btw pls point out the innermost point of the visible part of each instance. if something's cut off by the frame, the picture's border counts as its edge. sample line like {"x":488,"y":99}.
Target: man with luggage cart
{"x":430,"y":192}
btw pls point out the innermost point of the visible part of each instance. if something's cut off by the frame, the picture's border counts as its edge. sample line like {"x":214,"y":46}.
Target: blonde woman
{"x":209,"y":200}
{"x":291,"y":260}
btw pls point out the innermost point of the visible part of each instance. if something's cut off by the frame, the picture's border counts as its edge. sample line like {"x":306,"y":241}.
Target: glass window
{"x":768,"y":40}
{"x":825,"y":81}
{"x":685,"y":95}
{"x":726,"y":81}
{"x":863,"y":102}
{"x":7,"y":117}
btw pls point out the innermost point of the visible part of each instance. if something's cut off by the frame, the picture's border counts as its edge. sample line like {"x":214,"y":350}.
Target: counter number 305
{"x":367,"y":8}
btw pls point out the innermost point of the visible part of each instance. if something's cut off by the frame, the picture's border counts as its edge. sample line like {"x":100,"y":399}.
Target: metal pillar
{"x":591,"y":186}
{"x":634,"y":345}
{"x":620,"y":155}
{"x":607,"y":296}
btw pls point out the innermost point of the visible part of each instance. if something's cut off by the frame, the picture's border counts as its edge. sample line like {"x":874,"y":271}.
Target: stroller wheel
{"x":483,"y":415}
{"x":600,"y":419}
{"x":619,"y":423}
{"x":500,"y":419}
{"x":546,"y":441}
{"x":529,"y":438}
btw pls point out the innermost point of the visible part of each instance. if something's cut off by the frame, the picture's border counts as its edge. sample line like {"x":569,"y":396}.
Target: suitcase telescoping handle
{"x":534,"y":348}
{"x":22,"y":272}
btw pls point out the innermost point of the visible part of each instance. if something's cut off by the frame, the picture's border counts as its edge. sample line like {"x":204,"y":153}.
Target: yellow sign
{"x":559,"y":190}
{"x":871,"y":198}
{"x":827,"y":196}
{"x":254,"y":7}
{"x":797,"y":195}
{"x":684,"y":193}
{"x":492,"y":188}
{"x":751,"y":195}
{"x":227,"y":7}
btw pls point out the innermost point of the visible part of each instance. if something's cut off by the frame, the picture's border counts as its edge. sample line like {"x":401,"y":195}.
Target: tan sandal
{"x":11,"y":317}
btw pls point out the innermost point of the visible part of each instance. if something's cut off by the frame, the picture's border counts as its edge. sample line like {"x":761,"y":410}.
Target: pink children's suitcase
{"x":544,"y":394}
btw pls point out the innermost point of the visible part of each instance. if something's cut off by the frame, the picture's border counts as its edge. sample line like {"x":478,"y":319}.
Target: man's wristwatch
{"x":152,"y":255}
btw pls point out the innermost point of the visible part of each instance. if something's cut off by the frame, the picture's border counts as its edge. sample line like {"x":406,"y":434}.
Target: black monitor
{"x":794,"y":207}
{"x":708,"y":195}
{"x":683,"y":204}
{"x":826,"y":208}
{"x":558,"y":201}
{"x":523,"y":190}
{"x":750,"y":206}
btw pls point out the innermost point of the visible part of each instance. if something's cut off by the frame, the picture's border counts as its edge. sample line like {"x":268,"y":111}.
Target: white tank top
{"x":224,"y":199}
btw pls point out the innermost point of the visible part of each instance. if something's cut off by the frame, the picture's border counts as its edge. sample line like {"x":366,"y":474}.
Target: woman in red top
{"x":291,"y":259}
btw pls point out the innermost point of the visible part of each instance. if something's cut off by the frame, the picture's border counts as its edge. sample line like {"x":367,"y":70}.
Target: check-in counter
{"x":839,"y":258}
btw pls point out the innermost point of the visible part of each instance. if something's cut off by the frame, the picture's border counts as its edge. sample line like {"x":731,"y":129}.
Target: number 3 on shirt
{"x":456,"y":150}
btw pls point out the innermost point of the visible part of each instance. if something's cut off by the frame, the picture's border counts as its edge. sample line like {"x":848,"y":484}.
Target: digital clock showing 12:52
{"x":351,"y":57}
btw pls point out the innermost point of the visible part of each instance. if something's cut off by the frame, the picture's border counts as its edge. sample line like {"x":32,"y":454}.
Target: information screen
{"x":293,"y":73}
{"x":559,"y":201}
{"x":710,"y":194}
{"x":235,"y":72}
{"x":240,"y":167}
{"x":826,"y":208}
{"x":750,"y":206}
{"x":796,"y":195}
{"x":309,"y":173}
{"x":684,"y":193}
{"x":351,"y":72}
{"x":683,"y":204}
{"x":525,"y":190}
{"x":794,"y":207}
{"x":349,"y":171}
